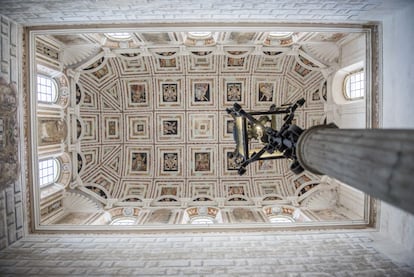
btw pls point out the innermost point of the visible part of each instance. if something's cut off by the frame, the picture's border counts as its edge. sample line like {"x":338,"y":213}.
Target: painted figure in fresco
{"x":101,"y":72}
{"x":202,"y":161}
{"x":232,"y":163}
{"x":52,"y":131}
{"x":243,"y":215}
{"x":301,"y":180}
{"x":98,"y":191}
{"x":234,"y":92}
{"x":88,"y":158}
{"x":235,"y":61}
{"x":139,"y":162}
{"x":201,"y":92}
{"x":168,"y":62}
{"x":170,"y":127}
{"x":160,"y":216}
{"x":301,"y":70}
{"x":87,"y":99}
{"x":137,"y":93}
{"x":169,"y":191}
{"x":265,"y":92}
{"x":236,"y":190}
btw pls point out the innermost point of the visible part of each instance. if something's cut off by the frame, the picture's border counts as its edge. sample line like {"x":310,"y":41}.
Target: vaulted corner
{"x":129,"y":127}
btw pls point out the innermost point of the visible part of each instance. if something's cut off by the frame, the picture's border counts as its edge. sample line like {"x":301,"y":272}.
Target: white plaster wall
{"x":349,"y":114}
{"x":353,"y":52}
{"x":352,"y":115}
{"x":398,"y":109}
{"x":352,"y":200}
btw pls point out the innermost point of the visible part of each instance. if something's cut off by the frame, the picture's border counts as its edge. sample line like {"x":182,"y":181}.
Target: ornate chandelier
{"x":261,"y":126}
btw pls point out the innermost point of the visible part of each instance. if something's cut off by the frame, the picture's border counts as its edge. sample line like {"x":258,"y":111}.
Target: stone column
{"x":378,"y":162}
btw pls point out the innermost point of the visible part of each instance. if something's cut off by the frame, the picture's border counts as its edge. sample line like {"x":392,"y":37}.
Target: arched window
{"x":46,"y":89}
{"x":280,"y":34}
{"x":48,"y":171}
{"x":123,"y":221}
{"x":119,"y":36}
{"x":354,"y":87}
{"x":281,"y":219}
{"x":202,"y":220}
{"x":199,"y":35}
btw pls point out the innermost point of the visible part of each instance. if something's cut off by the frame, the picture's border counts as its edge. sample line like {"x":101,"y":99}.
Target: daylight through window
{"x":354,"y":86}
{"x":48,"y":171}
{"x":200,"y":34}
{"x":119,"y":36}
{"x":202,"y":220}
{"x":123,"y":221}
{"x":281,"y":219}
{"x":280,"y":34}
{"x":46,"y":89}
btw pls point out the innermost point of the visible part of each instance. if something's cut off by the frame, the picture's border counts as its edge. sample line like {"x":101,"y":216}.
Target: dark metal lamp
{"x":276,"y":144}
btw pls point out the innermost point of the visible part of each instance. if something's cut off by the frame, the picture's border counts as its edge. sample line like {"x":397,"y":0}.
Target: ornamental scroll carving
{"x":9,"y":164}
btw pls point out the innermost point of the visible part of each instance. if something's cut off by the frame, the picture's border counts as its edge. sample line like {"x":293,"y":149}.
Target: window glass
{"x":123,"y":221}
{"x":48,"y":171}
{"x":200,"y":34}
{"x":119,"y":36}
{"x":281,"y":219}
{"x":46,"y":89}
{"x":202,"y":220}
{"x":280,"y":34}
{"x":354,"y":85}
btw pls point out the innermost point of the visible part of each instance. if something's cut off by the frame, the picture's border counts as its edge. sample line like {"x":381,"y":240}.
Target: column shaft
{"x":377,"y":161}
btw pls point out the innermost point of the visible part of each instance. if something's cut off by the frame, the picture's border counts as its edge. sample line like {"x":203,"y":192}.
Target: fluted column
{"x":379,"y":162}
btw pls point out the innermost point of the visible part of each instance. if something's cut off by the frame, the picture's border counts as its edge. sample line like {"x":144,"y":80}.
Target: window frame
{"x":280,"y":35}
{"x":56,"y":172}
{"x":285,"y":219}
{"x":131,"y":221}
{"x":202,"y":220}
{"x":119,"y":36}
{"x":199,"y":35}
{"x":345,"y":85}
{"x":54,"y":89}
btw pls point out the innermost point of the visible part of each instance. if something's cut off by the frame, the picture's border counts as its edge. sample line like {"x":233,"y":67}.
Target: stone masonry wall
{"x":11,"y":205}
{"x":207,"y":254}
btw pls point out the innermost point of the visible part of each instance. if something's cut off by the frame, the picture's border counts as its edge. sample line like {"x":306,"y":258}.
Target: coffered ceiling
{"x":148,"y":136}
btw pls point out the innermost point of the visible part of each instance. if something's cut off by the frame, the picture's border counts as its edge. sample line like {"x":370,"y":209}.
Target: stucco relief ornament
{"x":8,"y":94}
{"x":9,"y":167}
{"x":128,"y":211}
